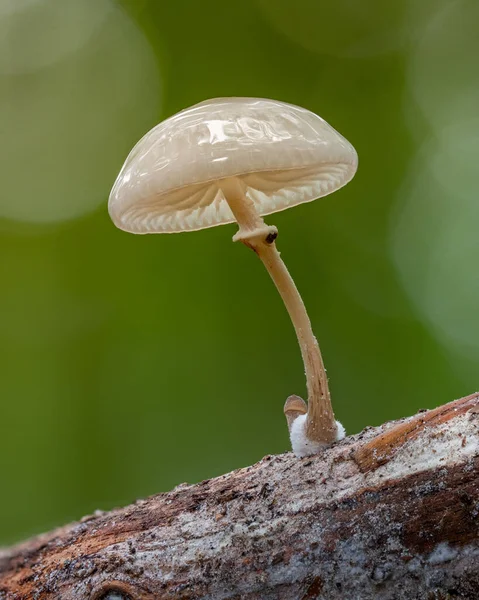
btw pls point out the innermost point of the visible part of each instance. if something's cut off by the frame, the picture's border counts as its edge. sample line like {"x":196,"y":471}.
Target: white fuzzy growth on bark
{"x":301,"y":445}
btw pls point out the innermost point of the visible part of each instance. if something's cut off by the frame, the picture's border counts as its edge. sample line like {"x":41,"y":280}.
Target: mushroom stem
{"x":254,"y":233}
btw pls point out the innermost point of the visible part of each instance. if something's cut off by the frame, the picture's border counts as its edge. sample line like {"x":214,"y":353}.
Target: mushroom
{"x":236,"y":160}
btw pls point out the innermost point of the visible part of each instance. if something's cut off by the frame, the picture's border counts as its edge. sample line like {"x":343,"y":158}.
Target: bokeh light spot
{"x":340,"y":28}
{"x":67,"y":127}
{"x":434,"y":240}
{"x":442,"y":74}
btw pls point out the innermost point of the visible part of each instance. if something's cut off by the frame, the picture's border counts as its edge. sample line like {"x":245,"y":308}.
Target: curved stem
{"x":254,"y":233}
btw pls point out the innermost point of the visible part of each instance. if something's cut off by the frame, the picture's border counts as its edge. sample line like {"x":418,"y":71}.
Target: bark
{"x":390,"y":513}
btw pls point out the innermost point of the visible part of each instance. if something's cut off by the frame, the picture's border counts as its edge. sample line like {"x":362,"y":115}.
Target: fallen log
{"x":390,"y":513}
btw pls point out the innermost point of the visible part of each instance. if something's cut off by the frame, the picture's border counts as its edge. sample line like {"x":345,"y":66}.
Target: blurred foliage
{"x":130,"y":364}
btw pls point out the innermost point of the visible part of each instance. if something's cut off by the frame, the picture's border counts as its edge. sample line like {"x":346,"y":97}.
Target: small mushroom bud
{"x":293,"y":407}
{"x":296,"y":413}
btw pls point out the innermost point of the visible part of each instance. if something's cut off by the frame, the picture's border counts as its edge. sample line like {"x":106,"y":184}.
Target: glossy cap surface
{"x":283,"y":154}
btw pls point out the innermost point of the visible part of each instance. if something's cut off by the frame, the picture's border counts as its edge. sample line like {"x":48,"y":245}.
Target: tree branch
{"x":391,"y":513}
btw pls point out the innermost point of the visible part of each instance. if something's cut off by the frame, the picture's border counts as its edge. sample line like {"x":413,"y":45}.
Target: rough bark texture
{"x":391,"y":513}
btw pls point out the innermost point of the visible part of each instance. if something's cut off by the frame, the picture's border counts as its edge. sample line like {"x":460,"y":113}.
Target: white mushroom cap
{"x":283,"y":154}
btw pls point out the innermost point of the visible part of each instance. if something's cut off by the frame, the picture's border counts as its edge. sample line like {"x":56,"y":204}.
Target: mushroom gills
{"x":202,"y":205}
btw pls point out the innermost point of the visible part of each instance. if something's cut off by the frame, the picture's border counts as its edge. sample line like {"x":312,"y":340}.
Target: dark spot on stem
{"x":271,"y":237}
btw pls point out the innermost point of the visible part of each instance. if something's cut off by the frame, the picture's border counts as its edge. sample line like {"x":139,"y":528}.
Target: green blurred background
{"x":130,"y":363}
